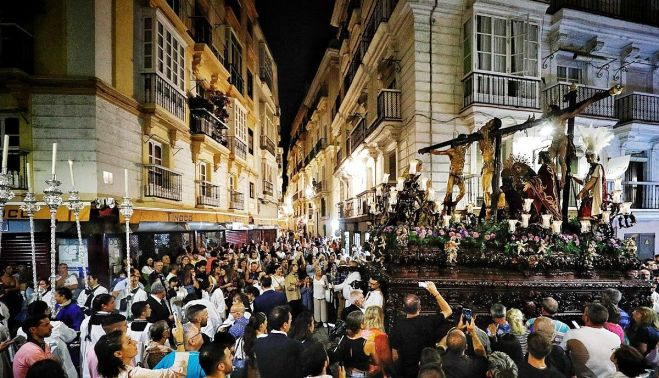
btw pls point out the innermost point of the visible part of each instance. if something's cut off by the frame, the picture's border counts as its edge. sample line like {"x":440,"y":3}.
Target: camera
{"x":339,"y":330}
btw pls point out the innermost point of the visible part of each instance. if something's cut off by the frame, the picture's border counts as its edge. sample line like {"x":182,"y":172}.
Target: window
{"x":250,"y":141}
{"x":251,"y":190}
{"x":168,"y":50}
{"x":234,"y":57}
{"x":240,"y":128}
{"x":203,"y":178}
{"x":250,"y":84}
{"x":392,"y":166}
{"x":155,"y":153}
{"x":501,"y":45}
{"x":568,"y":74}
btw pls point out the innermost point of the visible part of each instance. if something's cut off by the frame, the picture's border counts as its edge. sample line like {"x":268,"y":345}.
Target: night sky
{"x":298,"y":32}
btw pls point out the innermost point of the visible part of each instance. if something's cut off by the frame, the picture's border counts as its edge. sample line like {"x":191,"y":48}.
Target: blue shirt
{"x":194,"y":370}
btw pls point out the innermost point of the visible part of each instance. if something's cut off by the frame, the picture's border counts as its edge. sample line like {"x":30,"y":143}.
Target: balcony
{"x":357,"y":206}
{"x":379,"y":13}
{"x":238,"y":148}
{"x":637,"y":107}
{"x":202,"y":31}
{"x":553,"y":95}
{"x":265,"y":65}
{"x":267,"y":188}
{"x":639,"y":11}
{"x":642,"y":194}
{"x":159,"y":92}
{"x":495,"y":89}
{"x":162,"y":182}
{"x":357,"y":135}
{"x":388,"y":108}
{"x":236,"y":200}
{"x":267,"y":144}
{"x":236,"y":78}
{"x":16,"y":48}
{"x":17,"y":168}
{"x":208,"y":194}
{"x":199,"y":125}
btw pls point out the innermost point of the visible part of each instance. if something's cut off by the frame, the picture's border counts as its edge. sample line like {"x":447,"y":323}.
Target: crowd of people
{"x":296,"y":308}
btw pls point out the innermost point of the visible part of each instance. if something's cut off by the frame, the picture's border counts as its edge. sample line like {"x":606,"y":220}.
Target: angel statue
{"x":560,"y":144}
{"x":593,"y":194}
{"x":457,"y":156}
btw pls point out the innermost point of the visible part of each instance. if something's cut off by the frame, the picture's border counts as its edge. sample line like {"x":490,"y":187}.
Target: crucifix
{"x":561,"y":148}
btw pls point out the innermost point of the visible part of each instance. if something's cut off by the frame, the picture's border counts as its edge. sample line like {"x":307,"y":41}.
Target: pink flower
{"x":451,"y":234}
{"x":487,"y":237}
{"x":475,"y":234}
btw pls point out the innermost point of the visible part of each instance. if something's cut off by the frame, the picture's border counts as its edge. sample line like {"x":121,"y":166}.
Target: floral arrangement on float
{"x":409,"y":228}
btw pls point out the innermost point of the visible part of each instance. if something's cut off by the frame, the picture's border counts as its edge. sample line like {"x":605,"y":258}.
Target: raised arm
{"x":444,"y":307}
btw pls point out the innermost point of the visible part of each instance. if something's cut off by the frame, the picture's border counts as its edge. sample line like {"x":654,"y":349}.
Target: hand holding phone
{"x":423,"y":284}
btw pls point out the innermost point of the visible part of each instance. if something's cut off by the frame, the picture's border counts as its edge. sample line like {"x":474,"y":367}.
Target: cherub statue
{"x":542,"y":248}
{"x":451,"y":248}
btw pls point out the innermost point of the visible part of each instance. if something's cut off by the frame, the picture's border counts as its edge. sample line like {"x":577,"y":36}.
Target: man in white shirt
{"x":138,"y":329}
{"x":129,"y":295}
{"x":65,"y":279}
{"x":91,"y":290}
{"x":590,"y":347}
{"x":374,"y":297}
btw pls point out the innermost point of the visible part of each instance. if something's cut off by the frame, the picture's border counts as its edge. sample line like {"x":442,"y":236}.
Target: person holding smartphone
{"x":415,"y":332}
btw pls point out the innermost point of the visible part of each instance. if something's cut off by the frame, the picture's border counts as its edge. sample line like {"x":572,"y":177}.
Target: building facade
{"x":415,"y":73}
{"x":182,"y":93}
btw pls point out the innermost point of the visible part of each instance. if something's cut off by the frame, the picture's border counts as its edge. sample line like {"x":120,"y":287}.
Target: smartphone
{"x":423,"y":284}
{"x":466,"y":315}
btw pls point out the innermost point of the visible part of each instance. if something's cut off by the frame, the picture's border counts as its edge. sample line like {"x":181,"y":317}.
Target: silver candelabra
{"x":75,"y":204}
{"x":5,"y":196}
{"x":30,"y":207}
{"x":126,"y":209}
{"x":53,"y":199}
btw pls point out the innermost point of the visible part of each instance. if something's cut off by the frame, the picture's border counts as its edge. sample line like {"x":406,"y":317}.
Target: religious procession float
{"x":522,"y":245}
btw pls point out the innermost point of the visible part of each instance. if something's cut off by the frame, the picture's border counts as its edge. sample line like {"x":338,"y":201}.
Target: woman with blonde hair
{"x":377,"y":343}
{"x":515,"y":318}
{"x":643,"y":333}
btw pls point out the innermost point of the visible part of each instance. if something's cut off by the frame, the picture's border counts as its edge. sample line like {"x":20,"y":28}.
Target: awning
{"x":182,"y":216}
{"x":14,"y":212}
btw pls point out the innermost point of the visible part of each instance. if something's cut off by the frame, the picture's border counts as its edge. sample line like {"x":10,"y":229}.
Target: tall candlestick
{"x":125,"y":182}
{"x":28,"y":173}
{"x":73,"y":183}
{"x":5,"y":153}
{"x":52,"y":167}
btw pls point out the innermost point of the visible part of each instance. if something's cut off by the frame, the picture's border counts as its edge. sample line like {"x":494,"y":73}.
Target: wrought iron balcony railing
{"x":643,"y":107}
{"x":208,"y":194}
{"x":357,"y":135}
{"x":267,"y":144}
{"x":553,"y":95}
{"x":199,"y":125}
{"x":162,"y":182}
{"x":238,"y":147}
{"x":236,"y":200}
{"x":267,"y":188}
{"x":495,"y":89}
{"x":642,"y":194}
{"x":388,"y":108}
{"x":158,"y":91}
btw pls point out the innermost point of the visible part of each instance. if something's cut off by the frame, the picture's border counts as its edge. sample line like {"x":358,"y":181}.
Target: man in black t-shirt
{"x":414,"y":332}
{"x":535,"y":366}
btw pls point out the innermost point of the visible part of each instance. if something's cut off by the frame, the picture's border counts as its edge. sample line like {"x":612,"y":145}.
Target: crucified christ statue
{"x":561,"y":144}
{"x":457,"y":156}
{"x":486,"y":145}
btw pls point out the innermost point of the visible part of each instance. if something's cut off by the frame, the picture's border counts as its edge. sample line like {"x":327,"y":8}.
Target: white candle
{"x":431,"y":194}
{"x":52,"y":167}
{"x":28,"y":173}
{"x":125,"y":182}
{"x":385,"y":178}
{"x":470,"y":208}
{"x":400,"y":185}
{"x":5,"y":152}
{"x":618,"y":184}
{"x":73,"y":183}
{"x":424,"y":183}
